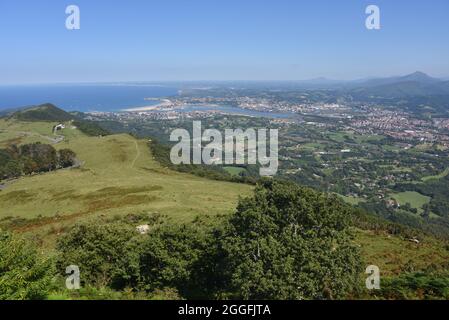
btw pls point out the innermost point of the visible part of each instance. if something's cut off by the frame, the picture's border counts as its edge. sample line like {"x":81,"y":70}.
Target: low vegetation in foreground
{"x":282,"y":236}
{"x":275,"y":246}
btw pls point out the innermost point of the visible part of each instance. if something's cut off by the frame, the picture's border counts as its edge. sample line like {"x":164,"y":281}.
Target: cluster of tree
{"x":161,"y":153}
{"x":285,"y":242}
{"x":366,"y":220}
{"x":438,"y":227}
{"x":30,"y":158}
{"x":437,"y":189}
{"x":90,"y":128}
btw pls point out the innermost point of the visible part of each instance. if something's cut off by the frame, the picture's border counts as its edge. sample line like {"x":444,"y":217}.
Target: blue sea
{"x":84,"y":97}
{"x":107,"y":98}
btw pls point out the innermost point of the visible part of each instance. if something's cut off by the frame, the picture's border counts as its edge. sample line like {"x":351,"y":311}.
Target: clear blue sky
{"x":220,"y":40}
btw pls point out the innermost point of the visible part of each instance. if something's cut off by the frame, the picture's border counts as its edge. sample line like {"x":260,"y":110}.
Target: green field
{"x":118,"y":177}
{"x":415,"y":199}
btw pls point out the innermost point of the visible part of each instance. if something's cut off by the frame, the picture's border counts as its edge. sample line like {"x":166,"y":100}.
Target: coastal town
{"x":361,"y":119}
{"x":369,"y":153}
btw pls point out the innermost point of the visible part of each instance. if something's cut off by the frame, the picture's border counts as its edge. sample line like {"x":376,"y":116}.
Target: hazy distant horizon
{"x":174,"y":40}
{"x":177,"y":81}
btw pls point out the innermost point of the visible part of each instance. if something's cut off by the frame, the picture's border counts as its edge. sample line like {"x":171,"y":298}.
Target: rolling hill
{"x":119,"y":176}
{"x":44,"y":112}
{"x":417,"y":84}
{"x":418,"y":77}
{"x":50,"y":113}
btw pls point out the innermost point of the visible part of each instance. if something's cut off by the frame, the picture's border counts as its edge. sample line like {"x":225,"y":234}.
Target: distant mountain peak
{"x":419,"y":76}
{"x":419,"y":73}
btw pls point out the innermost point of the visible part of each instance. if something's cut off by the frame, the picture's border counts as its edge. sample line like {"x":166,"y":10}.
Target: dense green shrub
{"x":289,"y":242}
{"x":172,"y":257}
{"x":100,"y":251}
{"x":285,"y":242}
{"x":38,"y":157}
{"x":66,"y":158}
{"x":116,"y":255}
{"x":417,"y":285}
{"x":24,"y":274}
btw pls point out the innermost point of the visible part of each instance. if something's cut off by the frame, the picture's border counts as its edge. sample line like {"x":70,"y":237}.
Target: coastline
{"x":163,"y":103}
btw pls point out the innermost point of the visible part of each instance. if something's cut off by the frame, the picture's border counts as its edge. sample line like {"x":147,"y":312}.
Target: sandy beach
{"x":163,"y":103}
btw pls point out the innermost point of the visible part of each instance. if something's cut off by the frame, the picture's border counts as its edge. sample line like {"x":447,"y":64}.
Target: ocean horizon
{"x":110,"y":97}
{"x":84,"y":97}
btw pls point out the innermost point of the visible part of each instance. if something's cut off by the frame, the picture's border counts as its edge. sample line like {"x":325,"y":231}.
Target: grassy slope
{"x":119,"y":176}
{"x":395,"y":255}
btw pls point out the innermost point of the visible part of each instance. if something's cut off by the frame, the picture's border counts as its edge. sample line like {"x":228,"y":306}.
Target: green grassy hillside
{"x":119,"y":176}
{"x":19,"y":132}
{"x":395,"y":255}
{"x":44,"y":112}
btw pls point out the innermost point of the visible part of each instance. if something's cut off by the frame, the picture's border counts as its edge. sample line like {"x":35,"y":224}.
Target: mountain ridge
{"x":42,"y":112}
{"x":417,"y":84}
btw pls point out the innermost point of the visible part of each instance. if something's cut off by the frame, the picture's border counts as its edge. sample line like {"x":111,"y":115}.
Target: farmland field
{"x":415,"y":199}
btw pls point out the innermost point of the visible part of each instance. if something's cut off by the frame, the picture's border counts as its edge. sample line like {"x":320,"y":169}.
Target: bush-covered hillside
{"x":284,"y":242}
{"x":43,"y":112}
